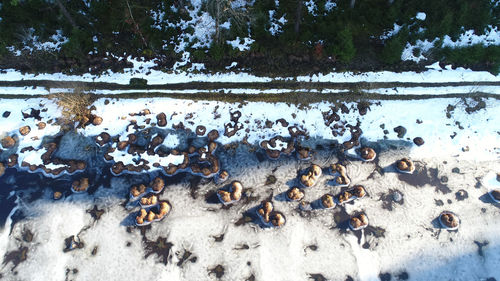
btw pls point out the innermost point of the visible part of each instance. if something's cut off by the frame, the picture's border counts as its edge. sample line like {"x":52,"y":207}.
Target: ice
{"x":171,"y":141}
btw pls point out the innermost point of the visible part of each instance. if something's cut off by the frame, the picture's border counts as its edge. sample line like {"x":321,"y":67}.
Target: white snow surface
{"x":237,"y":44}
{"x":421,"y":16}
{"x":411,"y":243}
{"x":143,"y":69}
{"x":490,"y":37}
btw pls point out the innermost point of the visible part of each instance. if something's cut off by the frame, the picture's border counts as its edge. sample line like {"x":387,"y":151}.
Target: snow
{"x":491,"y":37}
{"x":236,"y":43}
{"x":411,"y":243}
{"x":171,"y":141}
{"x":232,"y":65}
{"x":276,"y":24}
{"x":329,"y":5}
{"x":436,"y":128}
{"x":388,"y":34}
{"x":143,"y":69}
{"x":421,"y":16}
{"x":311,"y":7}
{"x":32,"y":42}
{"x":421,"y":47}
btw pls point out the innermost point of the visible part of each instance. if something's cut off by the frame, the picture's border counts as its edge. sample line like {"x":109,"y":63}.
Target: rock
{"x":295,"y":194}
{"x":359,"y":221}
{"x":117,"y":168}
{"x":235,"y":116}
{"x":311,"y":176}
{"x":367,"y":153}
{"x":327,"y":201}
{"x":57,"y":195}
{"x":277,"y":219}
{"x":24,"y":130}
{"x":201,"y":130}
{"x":157,"y":184}
{"x":231,"y":129}
{"x":405,"y":165}
{"x":283,"y":122}
{"x":397,"y":196}
{"x":131,"y":138}
{"x":122,"y":145}
{"x":96,"y":121}
{"x":8,"y":142}
{"x":41,"y":125}
{"x":496,"y":194}
{"x":418,"y":141}
{"x":137,"y":190}
{"x":401,"y":131}
{"x":103,"y":138}
{"x":161,"y":119}
{"x":6,"y":114}
{"x":265,"y":211}
{"x":363,"y":107}
{"x":449,"y":220}
{"x":304,"y":153}
{"x":81,"y":185}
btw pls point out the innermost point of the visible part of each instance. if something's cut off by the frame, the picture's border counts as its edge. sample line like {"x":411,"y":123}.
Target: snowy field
{"x":201,"y":239}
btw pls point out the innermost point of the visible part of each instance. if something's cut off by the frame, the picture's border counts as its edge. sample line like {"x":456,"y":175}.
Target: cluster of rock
{"x":200,"y":161}
{"x":155,"y":186}
{"x":51,"y":166}
{"x":155,"y":213}
{"x":358,"y":191}
{"x":339,"y":172}
{"x":230,"y":194}
{"x":152,"y":208}
{"x":358,"y":222}
{"x":295,"y":194}
{"x":269,"y":216}
{"x":340,"y":127}
{"x":311,"y":176}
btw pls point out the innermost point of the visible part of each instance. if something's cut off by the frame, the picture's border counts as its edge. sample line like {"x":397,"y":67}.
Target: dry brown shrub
{"x":75,"y":106}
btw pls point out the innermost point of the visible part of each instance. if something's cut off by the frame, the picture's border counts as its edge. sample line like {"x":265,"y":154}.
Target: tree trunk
{"x":66,"y":13}
{"x":298,"y":16}
{"x":353,"y":2}
{"x":217,"y":21}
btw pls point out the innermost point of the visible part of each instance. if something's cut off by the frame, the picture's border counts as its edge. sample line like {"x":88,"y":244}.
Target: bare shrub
{"x":75,"y":107}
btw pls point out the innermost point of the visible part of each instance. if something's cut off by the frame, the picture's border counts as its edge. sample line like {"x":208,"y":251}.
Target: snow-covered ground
{"x":144,"y":70}
{"x":461,"y":152}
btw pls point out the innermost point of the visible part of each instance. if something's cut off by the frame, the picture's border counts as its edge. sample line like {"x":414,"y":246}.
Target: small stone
{"x":41,"y":125}
{"x":57,"y":195}
{"x":397,"y":196}
{"x":401,"y":131}
{"x":97,"y":121}
{"x":24,"y":130}
{"x":161,"y":119}
{"x":6,"y":114}
{"x":455,"y":170}
{"x":418,"y":141}
{"x":8,"y":142}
